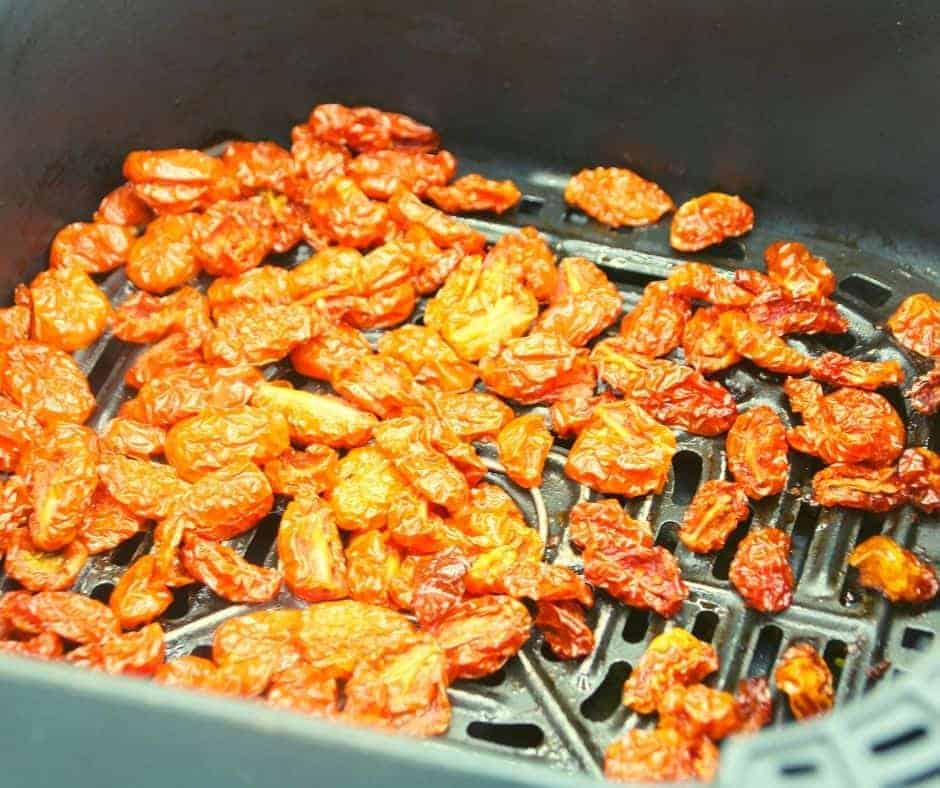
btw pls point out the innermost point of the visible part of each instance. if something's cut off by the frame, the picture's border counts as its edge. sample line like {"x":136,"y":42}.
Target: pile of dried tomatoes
{"x":413,"y":571}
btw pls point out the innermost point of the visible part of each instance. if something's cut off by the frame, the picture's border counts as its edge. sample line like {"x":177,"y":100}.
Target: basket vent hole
{"x":722,"y":564}
{"x":834,"y":655}
{"x":179,"y":607}
{"x":575,"y":216}
{"x":637,"y":623}
{"x":841,"y":343}
{"x":687,"y":473}
{"x":706,"y":623}
{"x":765,"y":651}
{"x":204,"y":651}
{"x":803,"y":530}
{"x":865,"y":289}
{"x":548,"y":654}
{"x":523,"y":736}
{"x":730,"y":248}
{"x":102,"y":592}
{"x":899,"y":740}
{"x":265,"y":534}
{"x":494,"y":679}
{"x":123,"y":553}
{"x":668,"y":536}
{"x":796,"y":770}
{"x":913,"y":638}
{"x":601,"y":704}
{"x":531,"y":205}
{"x":617,"y":272}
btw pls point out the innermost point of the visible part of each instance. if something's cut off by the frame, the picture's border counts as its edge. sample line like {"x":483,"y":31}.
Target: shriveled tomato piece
{"x":164,"y":257}
{"x":446,"y":231}
{"x":848,"y":425}
{"x":794,"y":268}
{"x":141,"y":595}
{"x":305,"y":689}
{"x":260,"y":165}
{"x":617,"y":197}
{"x":757,"y":452}
{"x":380,"y":174}
{"x":19,"y":431}
{"x":173,"y":352}
{"x":15,"y":320}
{"x":782,"y":314}
{"x":481,"y":634}
{"x":672,"y":393}
{"x":590,"y":520}
{"x":916,"y":324}
{"x":259,"y":333}
{"x":126,"y":436}
{"x":372,"y":561}
{"x":46,"y":645}
{"x":431,"y":360}
{"x":475,"y":193}
{"x":899,"y":574}
{"x":39,"y":570}
{"x":227,"y":502}
{"x":760,"y":570}
{"x":439,"y":585}
{"x":838,"y":370}
{"x":415,"y":525}
{"x":704,"y":344}
{"x":72,"y":616}
{"x":565,"y":629}
{"x":370,"y":129}
{"x":760,"y":345}
{"x":924,"y":394}
{"x":858,"y":487}
{"x":227,"y":573}
{"x":267,"y":284}
{"x":15,"y":508}
{"x":341,"y":212}
{"x":709,"y":219}
{"x":381,"y":385}
{"x":535,"y":368}
{"x":716,"y":510}
{"x":523,"y":446}
{"x":94,"y":248}
{"x":316,"y":159}
{"x":660,"y":755}
{"x":123,"y":207}
{"x":196,"y":673}
{"x":755,"y":707}
{"x":571,"y":412}
{"x":701,"y":282}
{"x":674,"y":658}
{"x":474,"y":415}
{"x":366,"y":486}
{"x":146,"y":488}
{"x":697,"y":710}
{"x":177,"y":180}
{"x":655,"y":325}
{"x":45,"y":382}
{"x":584,"y":303}
{"x":133,"y":654}
{"x":529,"y":258}
{"x":805,"y":678}
{"x":297,"y":473}
{"x":334,"y":349}
{"x":622,"y":451}
{"x":919,"y":472}
{"x":107,"y":523}
{"x":311,"y":552}
{"x":254,"y":647}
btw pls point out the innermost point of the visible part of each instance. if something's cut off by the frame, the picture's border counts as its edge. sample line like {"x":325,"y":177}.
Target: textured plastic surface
{"x":537,"y":710}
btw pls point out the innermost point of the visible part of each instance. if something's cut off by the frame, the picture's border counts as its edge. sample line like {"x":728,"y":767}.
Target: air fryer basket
{"x":861,"y":212}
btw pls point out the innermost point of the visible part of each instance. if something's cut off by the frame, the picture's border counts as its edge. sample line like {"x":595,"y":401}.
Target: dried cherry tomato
{"x":334,"y":349}
{"x":126,"y":436}
{"x":45,"y":382}
{"x":46,"y":645}
{"x":164,"y":257}
{"x":475,"y":193}
{"x":565,"y":629}
{"x":303,"y":473}
{"x":370,"y":129}
{"x":438,"y":585}
{"x":146,"y":488}
{"x":177,"y":180}
{"x":529,"y":258}
{"x":431,"y":360}
{"x":618,"y":197}
{"x":899,"y":574}
{"x":919,"y":472}
{"x":444,"y":230}
{"x":267,"y":284}
{"x":794,"y":268}
{"x":717,"y":508}
{"x":760,"y":345}
{"x":584,"y":303}
{"x":704,"y":344}
{"x":380,"y":174}
{"x":473,"y":415}
{"x":372,"y":561}
{"x":106,"y":523}
{"x":122,"y":206}
{"x":924,"y":394}
{"x":858,"y":487}
{"x":141,"y":595}
{"x":701,"y":282}
{"x":311,"y":552}
{"x":756,"y":448}
{"x":571,"y":412}
{"x":72,"y":616}
{"x":253,"y":647}
{"x":697,"y":710}
{"x":915,"y":324}
{"x":316,"y":159}
{"x":381,"y":385}
{"x":660,"y":755}
{"x":227,"y":502}
{"x":15,"y":320}
{"x":260,"y":165}
{"x":39,"y":570}
{"x":782,"y":314}
{"x":654,"y":327}
{"x":414,"y":525}
{"x":366,"y":486}
{"x":259,"y":334}
{"x":805,"y":678}
{"x":19,"y":431}
{"x":709,"y":219}
{"x":198,"y":674}
{"x":838,"y":370}
{"x":134,"y":653}
{"x":755,"y":707}
{"x":227,"y":573}
{"x":341,"y":212}
{"x":94,"y":248}
{"x":148,"y":318}
{"x":590,"y":520}
{"x":760,"y":570}
{"x":523,"y":446}
{"x":305,"y":689}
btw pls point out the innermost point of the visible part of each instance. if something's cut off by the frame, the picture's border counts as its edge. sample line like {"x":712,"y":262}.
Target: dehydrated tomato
{"x":535,"y":368}
{"x":260,"y":165}
{"x":198,"y":674}
{"x":755,"y":707}
{"x":838,"y":370}
{"x":372,"y":561}
{"x":584,"y":303}
{"x":216,"y":438}
{"x":229,"y":239}
{"x":709,"y":219}
{"x":15,"y":320}
{"x":899,"y":574}
{"x":480,"y":634}
{"x":383,"y":309}
{"x":417,"y":527}
{"x":95,"y":248}
{"x":924,"y":394}
{"x":523,"y":446}
{"x":305,"y":689}
{"x":126,"y":436}
{"x":571,"y":412}
{"x":919,"y":472}
{"x":341,"y":212}
{"x":480,"y":307}
{"x":311,"y":552}
{"x":123,"y":207}
{"x":529,"y":258}
{"x":674,"y":658}
{"x":806,"y":680}
{"x":475,"y":193}
{"x":431,"y":360}
{"x":380,"y":174}
{"x":782,"y":314}
{"x":379,"y":384}
{"x":565,"y":629}
{"x":176,"y":180}
{"x":134,"y":653}
{"x":148,"y":489}
{"x":757,"y":452}
{"x":15,"y":508}
{"x":227,"y":573}
{"x":660,"y":755}
{"x":701,"y":282}
{"x":18,"y":432}
{"x":654,"y":327}
{"x":848,"y":425}
{"x":858,"y":487}
{"x":438,"y":585}
{"x":473,"y":415}
{"x":716,"y":510}
{"x":227,"y":502}
{"x":39,"y":570}
{"x":257,"y":334}
{"x":697,"y":710}
{"x":72,"y":616}
{"x":760,"y":345}
{"x":334,"y":349}
{"x":267,"y":284}
{"x":46,"y":645}
{"x":672,"y":393}
{"x":301,"y":473}
{"x":444,"y":230}
{"x":337,"y":271}
{"x":590,"y":520}
{"x":794,"y":268}
{"x":106,"y":523}
{"x":704,"y":344}
{"x":366,"y":485}
{"x":174,"y":351}
{"x":622,"y":451}
{"x":164,"y":257}
{"x":253,"y":647}
{"x":141,"y":595}
{"x":316,"y":159}
{"x":45,"y":382}
{"x":760,"y":570}
{"x":618,"y":197}
{"x":916,"y":324}
{"x":370,"y":129}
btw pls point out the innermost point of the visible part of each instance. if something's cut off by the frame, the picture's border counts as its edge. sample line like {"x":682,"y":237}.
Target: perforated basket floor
{"x":565,"y":713}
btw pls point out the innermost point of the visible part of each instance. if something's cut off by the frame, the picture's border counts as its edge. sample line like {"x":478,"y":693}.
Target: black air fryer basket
{"x":823,"y":116}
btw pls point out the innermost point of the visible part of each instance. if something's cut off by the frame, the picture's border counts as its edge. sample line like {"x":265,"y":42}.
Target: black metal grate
{"x":565,"y":713}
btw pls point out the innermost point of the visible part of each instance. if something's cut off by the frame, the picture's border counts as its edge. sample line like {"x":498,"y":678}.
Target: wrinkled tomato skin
{"x":475,"y":193}
{"x":760,"y":570}
{"x":716,"y":510}
{"x":164,"y":257}
{"x":134,"y":654}
{"x":618,"y":197}
{"x":838,"y":370}
{"x":915,"y":324}
{"x":897,"y":573}
{"x":858,"y":487}
{"x":919,"y":473}
{"x":794,"y":268}
{"x":367,"y":129}
{"x":224,"y":503}
{"x":38,"y":570}
{"x":45,"y":382}
{"x":565,"y":630}
{"x":654,"y":327}
{"x":311,"y":553}
{"x":93,"y":248}
{"x":523,"y":446}
{"x":760,"y":345}
{"x":804,"y":677}
{"x":708,"y":220}
{"x":924,"y":393}
{"x":590,"y":520}
{"x":757,"y":452}
{"x":69,"y":310}
{"x":228,"y":574}
{"x":660,"y":755}
{"x":381,"y":174}
{"x":107,"y":523}
{"x":584,"y":303}
{"x":141,"y":595}
{"x":124,"y":208}
{"x":701,"y":282}
{"x":530,"y":260}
